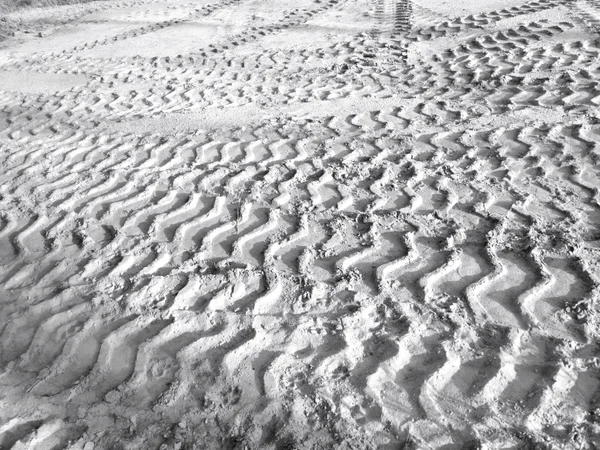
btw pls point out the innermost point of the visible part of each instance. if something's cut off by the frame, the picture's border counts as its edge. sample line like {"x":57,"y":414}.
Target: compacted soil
{"x":300,"y":224}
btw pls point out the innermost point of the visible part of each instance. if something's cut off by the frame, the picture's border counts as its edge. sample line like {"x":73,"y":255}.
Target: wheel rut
{"x":343,"y":223}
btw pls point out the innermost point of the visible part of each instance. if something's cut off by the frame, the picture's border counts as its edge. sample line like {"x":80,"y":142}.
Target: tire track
{"x":418,"y":272}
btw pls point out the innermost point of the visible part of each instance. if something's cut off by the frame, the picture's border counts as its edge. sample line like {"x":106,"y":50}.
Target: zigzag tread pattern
{"x":397,"y":252}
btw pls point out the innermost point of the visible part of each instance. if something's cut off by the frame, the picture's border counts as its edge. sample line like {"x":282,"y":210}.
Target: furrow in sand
{"x":78,"y":356}
{"x":19,"y":333}
{"x":115,"y":359}
{"x":156,"y":364}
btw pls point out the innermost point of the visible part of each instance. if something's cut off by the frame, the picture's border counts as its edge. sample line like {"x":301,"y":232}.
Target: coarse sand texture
{"x":300,"y":224}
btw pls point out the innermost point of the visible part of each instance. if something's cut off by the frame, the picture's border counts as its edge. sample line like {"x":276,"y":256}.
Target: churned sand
{"x":300,"y":224}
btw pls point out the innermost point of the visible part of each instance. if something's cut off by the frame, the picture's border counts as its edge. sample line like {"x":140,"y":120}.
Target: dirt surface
{"x":300,"y":224}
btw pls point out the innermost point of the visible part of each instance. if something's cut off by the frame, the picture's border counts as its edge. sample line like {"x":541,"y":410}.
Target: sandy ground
{"x":300,"y":224}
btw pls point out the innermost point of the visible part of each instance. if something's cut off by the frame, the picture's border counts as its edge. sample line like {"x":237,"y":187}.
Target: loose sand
{"x":308,"y":224}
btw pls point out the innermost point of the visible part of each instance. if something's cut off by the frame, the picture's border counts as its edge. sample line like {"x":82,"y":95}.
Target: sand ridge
{"x":383,"y":237}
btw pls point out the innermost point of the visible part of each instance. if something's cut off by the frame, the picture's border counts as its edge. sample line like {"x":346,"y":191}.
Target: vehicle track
{"x":420,"y":271}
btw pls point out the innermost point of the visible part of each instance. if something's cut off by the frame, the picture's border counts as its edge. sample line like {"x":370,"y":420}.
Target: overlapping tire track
{"x":412,"y":273}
